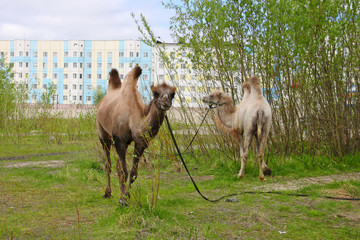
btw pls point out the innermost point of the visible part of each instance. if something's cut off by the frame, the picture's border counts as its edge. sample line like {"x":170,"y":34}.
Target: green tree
{"x":98,"y":96}
{"x":7,"y":92}
{"x":306,"y":54}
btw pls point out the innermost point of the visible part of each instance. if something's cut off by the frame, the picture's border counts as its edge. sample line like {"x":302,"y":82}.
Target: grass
{"x":64,"y":202}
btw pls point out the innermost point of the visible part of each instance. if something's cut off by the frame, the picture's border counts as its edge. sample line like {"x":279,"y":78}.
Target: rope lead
{"x":245,"y":192}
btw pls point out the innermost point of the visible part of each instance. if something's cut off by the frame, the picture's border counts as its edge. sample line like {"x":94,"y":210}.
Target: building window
{"x":137,"y":54}
{"x":74,"y":86}
{"x":55,"y":54}
{"x":34,"y":75}
{"x":27,"y":64}
{"x":98,"y":65}
{"x":74,"y":75}
{"x":55,"y":65}
{"x":88,"y":65}
{"x":121,"y":54}
{"x":74,"y":65}
{"x":88,"y":54}
{"x":66,"y":76}
{"x":65,"y":98}
{"x":121,"y":76}
{"x":54,"y":76}
{"x":20,"y":64}
{"x":88,"y":98}
{"x":81,"y":65}
{"x":80,"y":98}
{"x":98,"y":76}
{"x":88,"y":76}
{"x":20,"y":75}
{"x":74,"y":98}
{"x":80,"y":87}
{"x":89,"y":87}
{"x":146,"y":66}
{"x":74,"y":54}
{"x":66,"y":54}
{"x":34,"y":86}
{"x":121,"y":65}
{"x":161,"y":77}
{"x":11,"y":54}
{"x":65,"y":86}
{"x":183,"y":66}
{"x":20,"y":54}
{"x":44,"y":86}
{"x":109,"y":54}
{"x":131,"y":54}
{"x":161,"y":65}
{"x":145,"y":77}
{"x":80,"y":76}
{"x":44,"y":54}
{"x":44,"y":75}
{"x":99,"y":54}
{"x":145,"y":54}
{"x":81,"y":54}
{"x":44,"y":65}
{"x":34,"y":54}
{"x":109,"y":65}
{"x":66,"y":65}
{"x":26,"y":53}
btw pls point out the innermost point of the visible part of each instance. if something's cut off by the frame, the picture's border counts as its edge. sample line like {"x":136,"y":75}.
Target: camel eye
{"x":156,"y":94}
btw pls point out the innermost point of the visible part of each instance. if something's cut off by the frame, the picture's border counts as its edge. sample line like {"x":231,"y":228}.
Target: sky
{"x":81,"y":19}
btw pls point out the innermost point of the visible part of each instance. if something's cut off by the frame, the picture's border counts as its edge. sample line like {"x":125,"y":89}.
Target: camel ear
{"x":154,"y":91}
{"x":173,"y":89}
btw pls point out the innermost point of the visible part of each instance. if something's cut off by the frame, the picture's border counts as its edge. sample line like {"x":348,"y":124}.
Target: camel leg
{"x":106,"y":144}
{"x":260,"y":149}
{"x":138,"y":152}
{"x":121,"y":168}
{"x":241,"y":145}
{"x":248,"y":138}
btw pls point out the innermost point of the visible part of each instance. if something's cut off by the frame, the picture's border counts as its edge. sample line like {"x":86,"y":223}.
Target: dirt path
{"x":304,"y":182}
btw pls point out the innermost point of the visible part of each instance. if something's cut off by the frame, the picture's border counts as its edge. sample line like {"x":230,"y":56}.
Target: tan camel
{"x":122,"y":118}
{"x":251,"y":117}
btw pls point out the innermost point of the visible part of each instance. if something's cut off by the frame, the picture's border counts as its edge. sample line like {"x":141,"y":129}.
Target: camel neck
{"x":225,"y":115}
{"x":154,"y":118}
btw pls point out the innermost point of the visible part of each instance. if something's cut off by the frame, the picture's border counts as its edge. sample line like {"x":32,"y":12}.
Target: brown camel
{"x":122,"y":118}
{"x":251,"y":117}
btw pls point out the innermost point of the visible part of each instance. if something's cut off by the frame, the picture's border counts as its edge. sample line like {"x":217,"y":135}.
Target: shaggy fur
{"x":114,"y":80}
{"x":122,"y":118}
{"x":251,"y":117}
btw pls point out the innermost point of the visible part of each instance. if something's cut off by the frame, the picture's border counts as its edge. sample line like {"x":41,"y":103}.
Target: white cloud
{"x":80,"y":19}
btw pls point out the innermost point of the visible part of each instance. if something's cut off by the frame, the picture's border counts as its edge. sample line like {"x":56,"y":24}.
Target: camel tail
{"x":114,"y":80}
{"x":260,"y":121}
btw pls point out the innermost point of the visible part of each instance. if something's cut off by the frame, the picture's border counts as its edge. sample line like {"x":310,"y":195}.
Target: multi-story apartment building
{"x":76,"y":68}
{"x":191,"y":86}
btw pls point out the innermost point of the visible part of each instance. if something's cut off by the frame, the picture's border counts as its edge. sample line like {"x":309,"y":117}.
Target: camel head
{"x":217,"y":97}
{"x":163,"y":96}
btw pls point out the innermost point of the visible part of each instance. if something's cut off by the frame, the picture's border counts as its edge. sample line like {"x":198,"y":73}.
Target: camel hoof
{"x":262,"y":179}
{"x":123,"y":202}
{"x":239,"y":176}
{"x":267,"y":172}
{"x":107,"y":195}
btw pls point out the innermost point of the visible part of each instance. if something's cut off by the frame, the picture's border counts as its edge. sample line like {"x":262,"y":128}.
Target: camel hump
{"x":255,"y":84}
{"x":114,"y":80}
{"x":246,"y":86}
{"x":137,"y":71}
